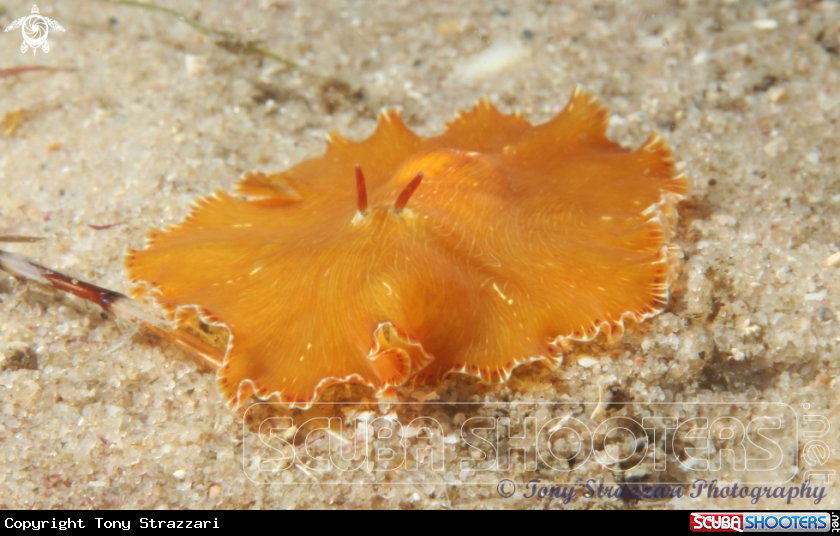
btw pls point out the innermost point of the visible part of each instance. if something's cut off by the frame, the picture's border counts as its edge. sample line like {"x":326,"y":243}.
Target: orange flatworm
{"x":470,"y":252}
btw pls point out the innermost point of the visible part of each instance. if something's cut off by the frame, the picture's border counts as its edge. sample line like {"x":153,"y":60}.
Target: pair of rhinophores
{"x":471,"y":252}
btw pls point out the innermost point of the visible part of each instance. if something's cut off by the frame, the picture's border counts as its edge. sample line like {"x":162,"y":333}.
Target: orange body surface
{"x":517,"y":238}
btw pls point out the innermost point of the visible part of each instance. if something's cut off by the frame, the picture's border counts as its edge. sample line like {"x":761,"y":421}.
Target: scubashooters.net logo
{"x":556,"y":452}
{"x":762,"y":522}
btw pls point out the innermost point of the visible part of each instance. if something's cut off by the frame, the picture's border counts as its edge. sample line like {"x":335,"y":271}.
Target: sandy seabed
{"x":151,"y":114}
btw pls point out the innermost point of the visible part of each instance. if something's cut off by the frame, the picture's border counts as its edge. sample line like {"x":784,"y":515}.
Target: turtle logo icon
{"x":35,"y":31}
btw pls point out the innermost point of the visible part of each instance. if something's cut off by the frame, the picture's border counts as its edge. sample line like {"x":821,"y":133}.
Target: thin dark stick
{"x":20,"y":239}
{"x":114,"y":302}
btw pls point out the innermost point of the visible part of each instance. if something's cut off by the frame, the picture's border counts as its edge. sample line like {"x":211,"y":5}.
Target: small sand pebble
{"x":180,"y":474}
{"x":196,"y":65}
{"x":587,"y":361}
{"x":765,"y":24}
{"x":640,"y":360}
{"x":777,"y":94}
{"x":450,"y":27}
{"x":833,"y":260}
{"x":773,"y":148}
{"x":816,"y":296}
{"x":492,"y":61}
